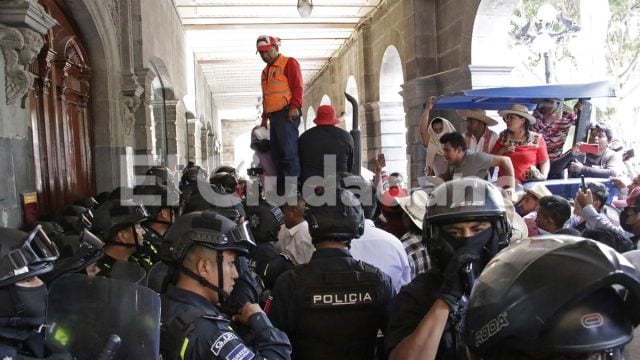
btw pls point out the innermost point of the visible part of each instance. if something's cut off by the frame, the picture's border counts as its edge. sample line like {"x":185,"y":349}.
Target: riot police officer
{"x":554,"y":297}
{"x":162,"y":205}
{"x":23,"y":296}
{"x":333,"y":306}
{"x":117,"y":223}
{"x":465,"y":225}
{"x":204,"y":247}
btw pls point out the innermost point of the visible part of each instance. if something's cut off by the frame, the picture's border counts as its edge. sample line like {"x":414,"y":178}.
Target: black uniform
{"x":319,"y":141}
{"x":211,"y":336}
{"x":411,"y":305}
{"x":332,"y":307}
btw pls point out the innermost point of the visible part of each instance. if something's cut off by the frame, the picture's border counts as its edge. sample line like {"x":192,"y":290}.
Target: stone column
{"x":22,"y":25}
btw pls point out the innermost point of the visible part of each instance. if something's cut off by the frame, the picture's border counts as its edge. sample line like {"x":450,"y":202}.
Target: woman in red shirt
{"x":527,"y":149}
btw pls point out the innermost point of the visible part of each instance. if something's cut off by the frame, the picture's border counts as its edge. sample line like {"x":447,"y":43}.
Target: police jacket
{"x":411,"y":305}
{"x":209,"y":335}
{"x":332,"y":307}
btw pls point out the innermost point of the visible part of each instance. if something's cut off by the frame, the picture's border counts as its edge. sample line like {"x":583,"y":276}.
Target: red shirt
{"x":294,"y":75}
{"x":528,"y":154}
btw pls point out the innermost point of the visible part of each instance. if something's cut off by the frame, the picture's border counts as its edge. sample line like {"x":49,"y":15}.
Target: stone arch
{"x":308,"y":121}
{"x":351,"y":89}
{"x":326,"y":100}
{"x":391,"y":108}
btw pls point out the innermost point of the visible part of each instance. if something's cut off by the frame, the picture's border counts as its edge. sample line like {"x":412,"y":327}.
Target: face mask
{"x":476,"y":242}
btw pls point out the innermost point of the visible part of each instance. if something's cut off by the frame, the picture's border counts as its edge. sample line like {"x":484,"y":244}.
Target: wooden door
{"x":60,"y":117}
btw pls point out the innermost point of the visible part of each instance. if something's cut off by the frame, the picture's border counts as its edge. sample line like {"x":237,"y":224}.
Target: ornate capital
{"x":19,"y":48}
{"x":131,"y":92}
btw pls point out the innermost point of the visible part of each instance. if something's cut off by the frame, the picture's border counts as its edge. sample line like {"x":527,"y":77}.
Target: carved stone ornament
{"x":20,"y":46}
{"x":131,"y":104}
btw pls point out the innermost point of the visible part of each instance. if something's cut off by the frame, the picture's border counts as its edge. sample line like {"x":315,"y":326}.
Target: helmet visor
{"x":242,"y":236}
{"x":36,"y":250}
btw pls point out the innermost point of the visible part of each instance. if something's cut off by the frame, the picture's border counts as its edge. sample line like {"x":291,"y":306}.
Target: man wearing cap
{"x":527,"y":207}
{"x":325,"y":149}
{"x":479,"y":137}
{"x":282,"y":94}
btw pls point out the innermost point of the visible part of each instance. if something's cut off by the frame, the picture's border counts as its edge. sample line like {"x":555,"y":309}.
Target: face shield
{"x":35,"y":251}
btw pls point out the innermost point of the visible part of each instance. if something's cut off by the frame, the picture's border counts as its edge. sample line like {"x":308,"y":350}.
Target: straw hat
{"x":519,"y":110}
{"x":477,"y":114}
{"x":538,"y":190}
{"x":414,"y":206}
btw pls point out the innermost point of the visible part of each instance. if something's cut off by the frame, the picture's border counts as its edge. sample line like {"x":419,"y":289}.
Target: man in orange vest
{"x":282,"y":93}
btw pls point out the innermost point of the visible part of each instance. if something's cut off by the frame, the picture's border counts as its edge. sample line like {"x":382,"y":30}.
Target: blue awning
{"x":503,"y":97}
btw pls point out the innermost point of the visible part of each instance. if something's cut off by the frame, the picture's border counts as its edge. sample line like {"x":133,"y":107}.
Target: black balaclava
{"x":22,"y":311}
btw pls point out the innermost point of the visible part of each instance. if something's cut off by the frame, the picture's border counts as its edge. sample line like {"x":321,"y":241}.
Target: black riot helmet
{"x":463,"y":200}
{"x":265,"y":221}
{"x":160,"y":175}
{"x":115,"y":215}
{"x":25,"y":255}
{"x":341,"y":218}
{"x":191,"y":176}
{"x":224,"y":182}
{"x":210,"y":230}
{"x":553,"y":296}
{"x":157,"y":197}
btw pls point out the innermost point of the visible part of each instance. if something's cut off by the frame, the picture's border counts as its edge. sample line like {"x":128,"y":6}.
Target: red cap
{"x":265,"y":42}
{"x":326,"y":115}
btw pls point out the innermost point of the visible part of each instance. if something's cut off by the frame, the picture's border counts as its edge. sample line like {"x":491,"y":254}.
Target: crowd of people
{"x":474,"y":267}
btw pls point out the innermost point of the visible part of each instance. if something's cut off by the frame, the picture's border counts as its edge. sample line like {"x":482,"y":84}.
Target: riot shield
{"x":84,"y":312}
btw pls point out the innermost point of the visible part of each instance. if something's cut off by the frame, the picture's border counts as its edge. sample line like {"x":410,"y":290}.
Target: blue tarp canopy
{"x":503,"y":97}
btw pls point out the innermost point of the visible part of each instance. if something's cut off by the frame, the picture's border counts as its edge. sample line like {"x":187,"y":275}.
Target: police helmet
{"x":115,"y":215}
{"x":225,"y":169}
{"x":25,"y":255}
{"x":340,"y":219}
{"x":265,"y":221}
{"x":553,"y":295}
{"x":169,"y":199}
{"x":462,"y":200}
{"x":191,"y":176}
{"x":208,"y":229}
{"x":224,"y":182}
{"x":160,"y":174}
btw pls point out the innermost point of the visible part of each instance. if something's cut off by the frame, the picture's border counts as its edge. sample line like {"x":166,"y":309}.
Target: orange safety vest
{"x":275,"y":86}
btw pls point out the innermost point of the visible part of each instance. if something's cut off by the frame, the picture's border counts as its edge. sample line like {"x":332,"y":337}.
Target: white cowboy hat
{"x":477,"y":114}
{"x":414,"y":206}
{"x":519,"y":110}
{"x":538,"y":190}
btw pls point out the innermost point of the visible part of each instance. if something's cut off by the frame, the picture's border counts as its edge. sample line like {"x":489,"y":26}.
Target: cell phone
{"x":381,"y":160}
{"x":588,"y":148}
{"x":584,"y":185}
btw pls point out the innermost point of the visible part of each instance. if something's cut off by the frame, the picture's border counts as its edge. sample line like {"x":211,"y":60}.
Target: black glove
{"x":454,"y":285}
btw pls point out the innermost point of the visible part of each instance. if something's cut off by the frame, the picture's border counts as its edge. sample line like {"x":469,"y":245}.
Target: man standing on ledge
{"x":282,"y":93}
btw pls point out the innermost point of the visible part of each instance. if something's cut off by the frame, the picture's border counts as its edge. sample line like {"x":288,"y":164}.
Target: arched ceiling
{"x":222,"y":34}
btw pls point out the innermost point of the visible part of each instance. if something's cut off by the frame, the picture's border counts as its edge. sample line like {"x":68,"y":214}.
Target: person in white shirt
{"x":479,"y":137}
{"x":294,"y":239}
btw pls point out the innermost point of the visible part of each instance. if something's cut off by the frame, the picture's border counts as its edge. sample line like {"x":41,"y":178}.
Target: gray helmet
{"x":224,"y":182}
{"x":553,"y":295}
{"x":208,"y":229}
{"x":160,"y":174}
{"x":25,"y":255}
{"x":342,"y":220}
{"x":468,"y":199}
{"x":115,"y":215}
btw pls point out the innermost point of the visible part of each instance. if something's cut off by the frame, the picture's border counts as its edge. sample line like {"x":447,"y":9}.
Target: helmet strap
{"x":222,"y":295}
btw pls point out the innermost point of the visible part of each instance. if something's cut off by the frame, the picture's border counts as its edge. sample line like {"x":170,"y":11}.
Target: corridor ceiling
{"x":223,"y":33}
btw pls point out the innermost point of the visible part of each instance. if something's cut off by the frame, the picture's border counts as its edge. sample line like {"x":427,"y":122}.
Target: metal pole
{"x":547,"y":68}
{"x":355,"y":135}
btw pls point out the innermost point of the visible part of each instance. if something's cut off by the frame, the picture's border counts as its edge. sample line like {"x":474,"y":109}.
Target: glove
{"x":453,"y":284}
